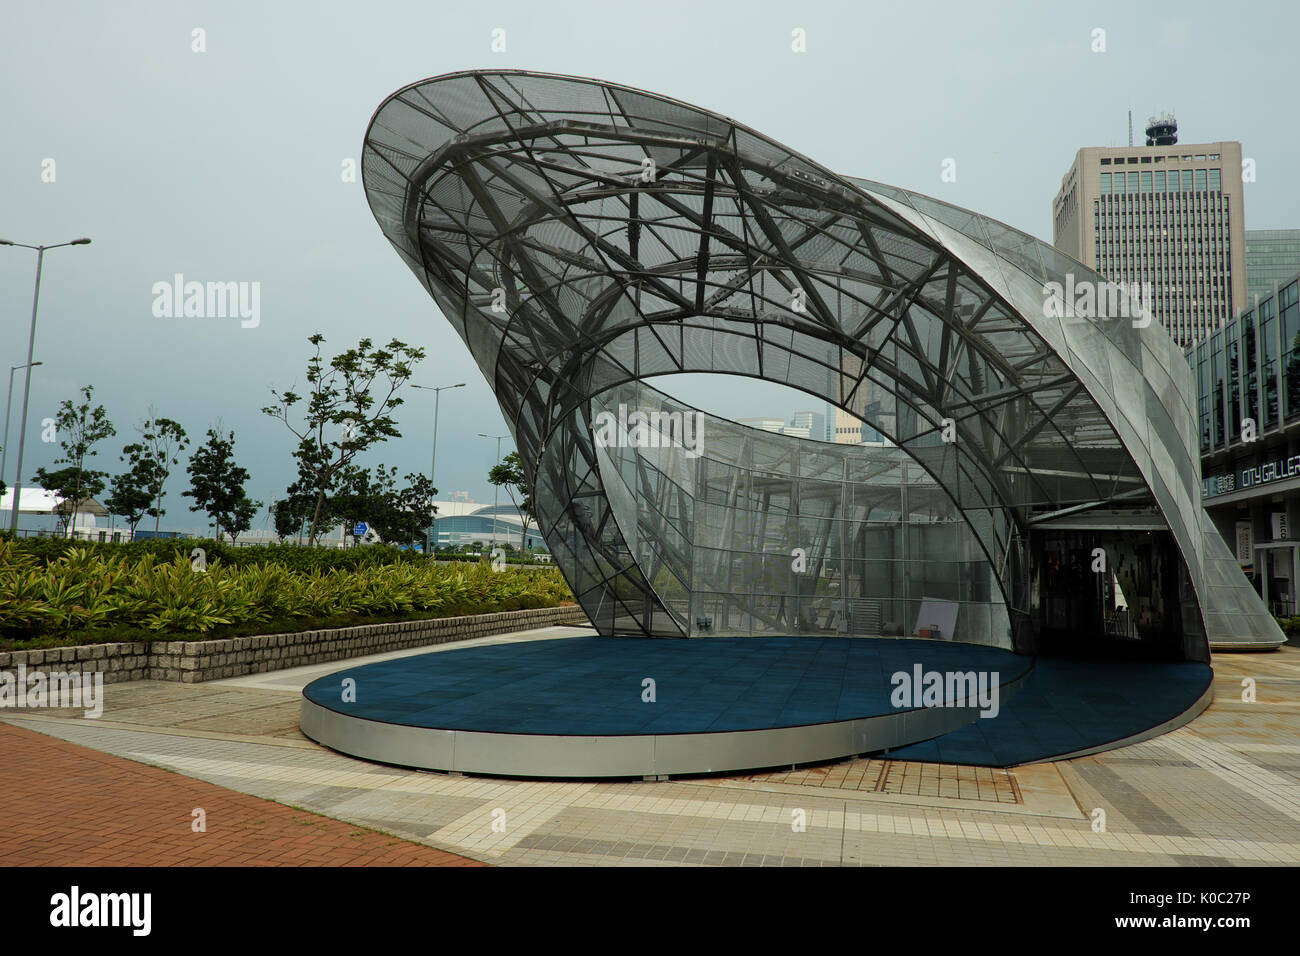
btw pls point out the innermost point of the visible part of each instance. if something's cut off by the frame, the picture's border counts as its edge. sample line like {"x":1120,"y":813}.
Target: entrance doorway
{"x":1277,"y":576}
{"x":1104,"y":593}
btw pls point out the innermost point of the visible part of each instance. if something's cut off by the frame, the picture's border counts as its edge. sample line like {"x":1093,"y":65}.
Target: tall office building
{"x":1272,"y":256}
{"x":849,"y":430}
{"x":1165,"y":215}
{"x":813,"y":422}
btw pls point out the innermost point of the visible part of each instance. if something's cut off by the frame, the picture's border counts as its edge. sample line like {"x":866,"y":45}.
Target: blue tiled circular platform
{"x":1070,"y":707}
{"x":573,"y":706}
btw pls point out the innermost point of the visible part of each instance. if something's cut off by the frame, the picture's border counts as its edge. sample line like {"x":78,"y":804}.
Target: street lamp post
{"x":433,"y":458}
{"x":9,"y":402}
{"x":496,"y":493}
{"x":27,"y":379}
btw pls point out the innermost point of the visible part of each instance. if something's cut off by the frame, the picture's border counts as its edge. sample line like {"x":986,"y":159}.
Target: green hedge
{"x":292,"y":556}
{"x":58,"y":594}
{"x":296,"y":557}
{"x":1290,"y":625}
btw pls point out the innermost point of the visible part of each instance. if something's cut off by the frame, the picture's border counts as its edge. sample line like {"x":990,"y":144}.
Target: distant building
{"x":39,"y":515}
{"x":853,"y":431}
{"x":765,"y":424}
{"x":456,"y":506}
{"x":462,"y":523}
{"x":1272,"y":256}
{"x":813,"y":424}
{"x":802,"y":425}
{"x":1164,"y":215}
{"x":1248,"y":410}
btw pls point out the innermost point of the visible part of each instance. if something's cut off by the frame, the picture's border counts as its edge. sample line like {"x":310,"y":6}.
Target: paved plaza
{"x":1221,"y":791}
{"x":66,"y":805}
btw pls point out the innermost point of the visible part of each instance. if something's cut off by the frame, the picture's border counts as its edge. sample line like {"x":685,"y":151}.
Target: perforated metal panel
{"x":583,"y":237}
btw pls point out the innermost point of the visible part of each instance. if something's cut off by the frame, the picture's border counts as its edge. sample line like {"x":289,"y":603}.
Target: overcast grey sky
{"x":226,"y":164}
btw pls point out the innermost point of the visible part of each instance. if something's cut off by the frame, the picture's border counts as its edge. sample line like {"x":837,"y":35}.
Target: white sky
{"x":226,"y":165}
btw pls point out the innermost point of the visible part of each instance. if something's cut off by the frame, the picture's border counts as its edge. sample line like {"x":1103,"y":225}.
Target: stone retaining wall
{"x":194,"y":661}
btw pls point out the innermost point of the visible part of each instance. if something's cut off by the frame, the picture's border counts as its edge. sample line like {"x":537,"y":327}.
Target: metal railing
{"x":1282,"y":608}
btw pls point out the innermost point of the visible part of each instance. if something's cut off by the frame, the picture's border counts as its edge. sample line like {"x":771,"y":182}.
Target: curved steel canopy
{"x":583,"y":236}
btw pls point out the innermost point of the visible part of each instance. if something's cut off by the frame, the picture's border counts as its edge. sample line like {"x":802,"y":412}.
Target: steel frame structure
{"x":583,"y":237}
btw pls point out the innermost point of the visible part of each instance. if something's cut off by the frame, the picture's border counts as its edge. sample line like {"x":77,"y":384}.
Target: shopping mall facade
{"x":1248,"y":410}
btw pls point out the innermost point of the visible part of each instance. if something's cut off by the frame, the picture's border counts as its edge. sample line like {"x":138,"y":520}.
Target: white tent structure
{"x":38,"y":501}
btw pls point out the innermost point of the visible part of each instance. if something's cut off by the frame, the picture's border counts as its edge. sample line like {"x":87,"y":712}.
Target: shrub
{"x":1290,"y":625}
{"x":53,"y":592}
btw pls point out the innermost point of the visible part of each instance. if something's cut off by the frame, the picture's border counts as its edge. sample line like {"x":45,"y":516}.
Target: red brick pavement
{"x":66,"y":805}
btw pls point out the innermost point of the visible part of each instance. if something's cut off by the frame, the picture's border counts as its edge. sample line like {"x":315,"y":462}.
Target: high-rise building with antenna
{"x":1165,"y":216}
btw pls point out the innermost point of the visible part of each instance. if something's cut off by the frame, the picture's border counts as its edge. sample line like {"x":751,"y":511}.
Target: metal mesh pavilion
{"x":584,"y":239}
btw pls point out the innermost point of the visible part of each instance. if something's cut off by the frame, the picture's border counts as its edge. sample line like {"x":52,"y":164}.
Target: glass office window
{"x":1289,"y":320}
{"x":1216,"y":386}
{"x":1233,"y":347}
{"x":1133,"y":181}
{"x":1215,"y":182}
{"x":1200,"y":180}
{"x":1268,"y":347}
{"x":1146,"y":180}
{"x":1286,"y":300}
{"x":1203,"y":405}
{"x":1160,"y":181}
{"x":1187,"y":180}
{"x":1251,"y":359}
{"x":1105,"y":184}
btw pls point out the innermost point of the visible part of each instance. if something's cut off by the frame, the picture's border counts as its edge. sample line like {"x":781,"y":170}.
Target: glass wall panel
{"x":1268,"y":346}
{"x":1204,"y":405}
{"x":1250,"y":357}
{"x":1216,"y":384}
{"x":1289,"y":320}
{"x":1234,"y":385}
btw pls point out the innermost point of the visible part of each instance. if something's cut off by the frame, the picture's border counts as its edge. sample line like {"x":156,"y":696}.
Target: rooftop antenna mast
{"x":1130,"y":127}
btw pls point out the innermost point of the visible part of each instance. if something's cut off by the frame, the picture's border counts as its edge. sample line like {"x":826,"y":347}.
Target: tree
{"x":342,"y":417}
{"x":72,"y":488}
{"x":240,"y":519}
{"x":400,"y":517}
{"x":162,"y":442}
{"x":510,"y":475}
{"x":217,"y":485}
{"x":79,"y":428}
{"x":292,"y":512}
{"x":289,"y":516}
{"x":132,"y":493}
{"x":355,"y":498}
